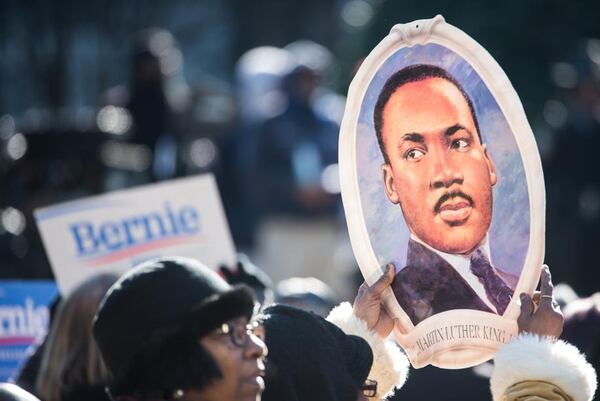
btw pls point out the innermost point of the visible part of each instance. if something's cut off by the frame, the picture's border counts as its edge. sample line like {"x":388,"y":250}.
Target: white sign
{"x":441,"y":177}
{"x":116,"y":231}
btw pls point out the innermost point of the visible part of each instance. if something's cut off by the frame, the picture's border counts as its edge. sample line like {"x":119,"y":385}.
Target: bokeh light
{"x":330,"y":179}
{"x":13,"y":220}
{"x":114,"y":120}
{"x":16,"y":146}
{"x":126,"y":156}
{"x":555,"y":113}
{"x":357,"y":13}
{"x":564,"y":75}
{"x":203,"y":153}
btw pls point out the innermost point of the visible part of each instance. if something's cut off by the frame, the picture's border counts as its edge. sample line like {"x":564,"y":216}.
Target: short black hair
{"x":413,"y":73}
{"x":166,"y":362}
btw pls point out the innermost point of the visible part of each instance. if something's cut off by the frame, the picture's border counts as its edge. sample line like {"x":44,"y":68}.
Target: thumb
{"x":384,"y":281}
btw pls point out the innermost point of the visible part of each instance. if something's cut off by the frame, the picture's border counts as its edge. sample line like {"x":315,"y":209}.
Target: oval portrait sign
{"x":441,"y":176}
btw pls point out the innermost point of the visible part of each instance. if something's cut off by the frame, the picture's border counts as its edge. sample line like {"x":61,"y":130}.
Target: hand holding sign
{"x":538,"y":313}
{"x":368,"y":307}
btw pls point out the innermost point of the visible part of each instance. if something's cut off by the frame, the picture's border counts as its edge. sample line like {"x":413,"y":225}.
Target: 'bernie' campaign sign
{"x":24,"y":319}
{"x":115,"y":231}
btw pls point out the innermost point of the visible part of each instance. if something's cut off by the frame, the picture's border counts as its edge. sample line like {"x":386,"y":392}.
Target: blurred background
{"x":101,"y":95}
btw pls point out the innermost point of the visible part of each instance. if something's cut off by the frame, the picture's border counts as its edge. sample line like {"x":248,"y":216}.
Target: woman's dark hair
{"x":167,"y":362}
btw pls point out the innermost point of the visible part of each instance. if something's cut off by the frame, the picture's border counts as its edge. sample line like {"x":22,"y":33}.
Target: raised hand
{"x":367,"y":304}
{"x":540,"y":314}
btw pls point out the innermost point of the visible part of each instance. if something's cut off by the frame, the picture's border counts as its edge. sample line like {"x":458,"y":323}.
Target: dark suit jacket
{"x":429,"y":285}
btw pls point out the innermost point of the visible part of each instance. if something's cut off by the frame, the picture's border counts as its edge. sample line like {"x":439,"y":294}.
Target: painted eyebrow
{"x":413,"y":137}
{"x":456,"y":127}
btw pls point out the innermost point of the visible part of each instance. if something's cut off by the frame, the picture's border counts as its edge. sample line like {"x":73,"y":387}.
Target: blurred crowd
{"x":271,"y":140}
{"x":270,"y":137}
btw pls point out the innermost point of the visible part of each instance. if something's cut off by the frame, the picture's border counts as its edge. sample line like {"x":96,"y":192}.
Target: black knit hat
{"x":163,"y":296}
{"x":311,"y":359}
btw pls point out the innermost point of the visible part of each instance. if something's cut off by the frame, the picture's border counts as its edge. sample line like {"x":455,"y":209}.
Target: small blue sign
{"x":24,"y":320}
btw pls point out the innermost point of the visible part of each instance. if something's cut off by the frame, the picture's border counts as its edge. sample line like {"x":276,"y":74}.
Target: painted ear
{"x":491,"y":166}
{"x":388,"y":183}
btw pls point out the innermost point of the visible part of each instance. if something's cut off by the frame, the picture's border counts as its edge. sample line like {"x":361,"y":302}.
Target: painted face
{"x":241,"y":364}
{"x":439,"y":171}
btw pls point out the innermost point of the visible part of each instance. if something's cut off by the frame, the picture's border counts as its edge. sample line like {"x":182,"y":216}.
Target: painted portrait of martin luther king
{"x":437,"y":169}
{"x":442,"y":184}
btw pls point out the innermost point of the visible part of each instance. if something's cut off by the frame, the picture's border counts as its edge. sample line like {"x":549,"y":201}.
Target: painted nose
{"x":445,"y":172}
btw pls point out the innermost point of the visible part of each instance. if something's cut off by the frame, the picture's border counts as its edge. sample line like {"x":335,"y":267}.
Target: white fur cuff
{"x":530,"y":357}
{"x":390,"y":366}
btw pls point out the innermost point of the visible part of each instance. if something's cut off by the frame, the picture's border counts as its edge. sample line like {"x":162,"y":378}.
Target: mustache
{"x":451,"y":195}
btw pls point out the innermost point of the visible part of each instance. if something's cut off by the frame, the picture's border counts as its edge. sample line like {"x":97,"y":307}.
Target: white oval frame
{"x":463,"y":352}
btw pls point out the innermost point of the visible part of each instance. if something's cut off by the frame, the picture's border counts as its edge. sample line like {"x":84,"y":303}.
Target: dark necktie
{"x":496,"y":289}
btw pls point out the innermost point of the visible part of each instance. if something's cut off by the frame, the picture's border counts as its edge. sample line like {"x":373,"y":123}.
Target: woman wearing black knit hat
{"x":312,"y":359}
{"x":172,"y":329}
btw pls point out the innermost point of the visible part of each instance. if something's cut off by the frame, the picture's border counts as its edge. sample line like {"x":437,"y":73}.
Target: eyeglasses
{"x":369,"y":388}
{"x":240,"y":333}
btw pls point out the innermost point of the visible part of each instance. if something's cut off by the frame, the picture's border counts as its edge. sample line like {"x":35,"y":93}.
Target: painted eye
{"x":414,"y":154}
{"x":460,"y":144}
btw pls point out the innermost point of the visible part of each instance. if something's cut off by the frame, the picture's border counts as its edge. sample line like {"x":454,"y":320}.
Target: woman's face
{"x":241,"y":365}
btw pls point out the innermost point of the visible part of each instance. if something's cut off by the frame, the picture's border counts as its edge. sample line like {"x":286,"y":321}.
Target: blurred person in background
{"x":175,"y":128}
{"x":294,"y":177}
{"x":293,"y":150}
{"x":172,"y":329}
{"x":306,"y":293}
{"x":71,"y":367}
{"x":153,"y":115}
{"x":259,"y":96}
